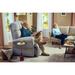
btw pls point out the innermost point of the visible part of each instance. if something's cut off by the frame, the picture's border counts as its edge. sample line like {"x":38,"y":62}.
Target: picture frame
{"x":63,"y":14}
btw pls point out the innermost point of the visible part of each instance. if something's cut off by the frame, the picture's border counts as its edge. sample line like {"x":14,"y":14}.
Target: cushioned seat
{"x":70,"y":38}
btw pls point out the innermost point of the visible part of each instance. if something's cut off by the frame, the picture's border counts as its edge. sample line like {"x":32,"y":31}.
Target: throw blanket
{"x":8,"y":53}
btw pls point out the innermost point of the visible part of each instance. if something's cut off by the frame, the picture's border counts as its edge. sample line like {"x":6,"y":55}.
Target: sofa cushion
{"x":72,"y":30}
{"x":69,"y":38}
{"x":64,"y":29}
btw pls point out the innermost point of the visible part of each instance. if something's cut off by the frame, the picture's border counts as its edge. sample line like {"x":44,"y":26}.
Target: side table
{"x":21,"y":56}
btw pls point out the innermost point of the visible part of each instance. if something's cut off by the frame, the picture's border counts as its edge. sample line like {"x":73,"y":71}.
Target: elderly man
{"x":25,"y":32}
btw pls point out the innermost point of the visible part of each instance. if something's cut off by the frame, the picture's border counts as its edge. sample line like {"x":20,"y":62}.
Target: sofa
{"x":30,"y":48}
{"x":69,"y":30}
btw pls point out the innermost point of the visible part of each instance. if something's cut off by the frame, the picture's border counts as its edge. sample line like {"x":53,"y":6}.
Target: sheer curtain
{"x":7,"y":35}
{"x":11,"y":18}
{"x":39,"y":22}
{"x":46,"y":31}
{"x":6,"y":42}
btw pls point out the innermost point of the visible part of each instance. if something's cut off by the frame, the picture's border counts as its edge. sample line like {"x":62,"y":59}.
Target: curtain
{"x":7,"y":35}
{"x":73,"y":19}
{"x":53,"y":19}
{"x":4,"y":28}
{"x":39,"y":22}
{"x":1,"y":31}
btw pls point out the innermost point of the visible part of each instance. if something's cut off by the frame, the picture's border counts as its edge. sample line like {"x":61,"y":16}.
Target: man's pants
{"x":39,"y":39}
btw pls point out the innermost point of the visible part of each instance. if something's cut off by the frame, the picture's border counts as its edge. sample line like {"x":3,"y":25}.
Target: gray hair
{"x":24,"y":23}
{"x":56,"y":25}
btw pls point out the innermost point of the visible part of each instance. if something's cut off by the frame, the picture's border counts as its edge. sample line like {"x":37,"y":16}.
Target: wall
{"x":21,"y":17}
{"x":30,"y":20}
{"x":35,"y":19}
{"x":26,"y":17}
{"x":62,"y":20}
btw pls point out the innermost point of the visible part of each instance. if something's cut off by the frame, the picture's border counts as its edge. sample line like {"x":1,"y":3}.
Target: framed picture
{"x":63,"y":14}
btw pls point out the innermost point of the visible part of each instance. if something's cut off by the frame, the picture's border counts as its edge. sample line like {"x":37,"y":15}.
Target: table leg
{"x":21,"y":56}
{"x":65,"y":52}
{"x":21,"y":48}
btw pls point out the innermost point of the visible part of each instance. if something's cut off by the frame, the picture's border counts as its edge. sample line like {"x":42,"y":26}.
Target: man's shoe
{"x":44,"y":54}
{"x":42,"y":43}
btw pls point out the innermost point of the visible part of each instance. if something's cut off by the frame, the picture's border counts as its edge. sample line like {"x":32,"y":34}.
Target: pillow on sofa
{"x":72,"y":30}
{"x":64,"y":29}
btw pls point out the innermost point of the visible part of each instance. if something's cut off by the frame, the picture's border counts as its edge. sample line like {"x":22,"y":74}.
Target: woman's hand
{"x":59,"y":34}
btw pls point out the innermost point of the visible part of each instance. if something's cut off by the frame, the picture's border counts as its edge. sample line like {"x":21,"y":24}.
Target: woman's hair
{"x":56,"y":25}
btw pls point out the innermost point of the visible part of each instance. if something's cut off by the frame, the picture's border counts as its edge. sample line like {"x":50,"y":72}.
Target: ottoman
{"x":7,"y":53}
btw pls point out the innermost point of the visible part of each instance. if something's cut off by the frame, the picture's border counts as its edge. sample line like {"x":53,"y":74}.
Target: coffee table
{"x":69,"y":49}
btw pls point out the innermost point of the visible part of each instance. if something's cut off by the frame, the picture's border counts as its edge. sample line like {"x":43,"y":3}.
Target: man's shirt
{"x":25,"y":32}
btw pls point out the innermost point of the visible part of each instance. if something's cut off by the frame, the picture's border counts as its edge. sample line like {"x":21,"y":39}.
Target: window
{"x":45,"y":20}
{"x":7,"y":22}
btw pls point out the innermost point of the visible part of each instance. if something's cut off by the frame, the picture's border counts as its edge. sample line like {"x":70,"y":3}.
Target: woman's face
{"x":55,"y":26}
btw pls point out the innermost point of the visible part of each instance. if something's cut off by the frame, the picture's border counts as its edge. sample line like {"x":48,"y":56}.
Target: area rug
{"x":56,"y":55}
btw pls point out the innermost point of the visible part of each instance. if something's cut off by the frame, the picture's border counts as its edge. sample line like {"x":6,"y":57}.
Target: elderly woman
{"x":57,"y":34}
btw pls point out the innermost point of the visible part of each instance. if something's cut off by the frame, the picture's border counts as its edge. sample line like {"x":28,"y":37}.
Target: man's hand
{"x":33,"y":34}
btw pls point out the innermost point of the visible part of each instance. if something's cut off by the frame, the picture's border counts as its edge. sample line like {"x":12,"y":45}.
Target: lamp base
{"x":21,"y":57}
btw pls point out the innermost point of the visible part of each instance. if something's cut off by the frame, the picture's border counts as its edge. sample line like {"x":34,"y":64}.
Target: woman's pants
{"x":62,"y":37}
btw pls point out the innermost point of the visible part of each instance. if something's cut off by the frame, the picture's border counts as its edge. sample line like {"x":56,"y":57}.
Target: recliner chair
{"x":29,"y":41}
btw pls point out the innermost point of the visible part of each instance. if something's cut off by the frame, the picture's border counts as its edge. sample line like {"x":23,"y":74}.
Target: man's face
{"x":26,"y":25}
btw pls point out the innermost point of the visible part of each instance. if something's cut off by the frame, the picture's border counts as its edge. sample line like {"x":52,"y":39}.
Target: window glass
{"x":45,"y":20}
{"x":7,"y":22}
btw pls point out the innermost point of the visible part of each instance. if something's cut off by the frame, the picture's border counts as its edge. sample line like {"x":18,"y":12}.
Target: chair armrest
{"x":29,"y":42}
{"x":24,"y":39}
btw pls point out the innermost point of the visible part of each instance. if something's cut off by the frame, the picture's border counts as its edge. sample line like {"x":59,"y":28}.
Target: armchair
{"x":29,"y":41}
